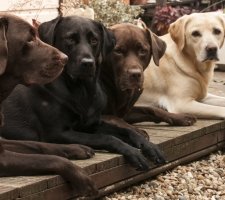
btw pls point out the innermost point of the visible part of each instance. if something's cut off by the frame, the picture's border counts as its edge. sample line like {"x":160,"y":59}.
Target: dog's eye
{"x":94,"y":41}
{"x":119,"y":51}
{"x":216,"y":31}
{"x":31,"y":38}
{"x":70,"y":40}
{"x":143,"y":52}
{"x":26,"y":47}
{"x":196,"y":34}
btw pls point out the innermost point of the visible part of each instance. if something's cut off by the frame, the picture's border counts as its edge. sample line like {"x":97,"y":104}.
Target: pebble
{"x":200,"y":180}
{"x":182,"y":198}
{"x":154,"y":184}
{"x":200,"y":177}
{"x":158,"y":197}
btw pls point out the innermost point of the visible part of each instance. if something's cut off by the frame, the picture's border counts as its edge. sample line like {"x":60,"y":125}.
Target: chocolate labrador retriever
{"x":68,"y":110}
{"x":122,"y":76}
{"x":25,"y":59}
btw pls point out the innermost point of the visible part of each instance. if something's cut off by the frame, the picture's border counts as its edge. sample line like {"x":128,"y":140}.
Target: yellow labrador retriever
{"x":180,"y":83}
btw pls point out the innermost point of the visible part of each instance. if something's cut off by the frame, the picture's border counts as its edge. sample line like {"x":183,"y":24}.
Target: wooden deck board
{"x":7,"y":192}
{"x":111,"y":172}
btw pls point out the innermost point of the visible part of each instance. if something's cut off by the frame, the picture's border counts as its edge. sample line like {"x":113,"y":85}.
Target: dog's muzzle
{"x":134,"y":74}
{"x":88,"y":66}
{"x":133,"y":79}
{"x":211,"y":53}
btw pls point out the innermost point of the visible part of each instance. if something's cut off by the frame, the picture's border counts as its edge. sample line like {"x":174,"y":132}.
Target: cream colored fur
{"x":180,"y":83}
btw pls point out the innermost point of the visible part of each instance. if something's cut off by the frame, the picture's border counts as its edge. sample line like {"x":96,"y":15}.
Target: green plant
{"x":114,"y":11}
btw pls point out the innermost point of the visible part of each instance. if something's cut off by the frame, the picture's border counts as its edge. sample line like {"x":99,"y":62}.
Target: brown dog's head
{"x":23,"y":56}
{"x":25,"y":59}
{"x":133,"y":51}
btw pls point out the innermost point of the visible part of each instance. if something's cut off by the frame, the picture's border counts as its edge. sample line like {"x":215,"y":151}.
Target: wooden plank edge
{"x":124,"y":171}
{"x":57,"y":194}
{"x":7,"y":193}
{"x":143,"y":176}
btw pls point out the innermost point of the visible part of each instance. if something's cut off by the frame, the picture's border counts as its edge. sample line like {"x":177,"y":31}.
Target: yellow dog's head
{"x":199,"y":35}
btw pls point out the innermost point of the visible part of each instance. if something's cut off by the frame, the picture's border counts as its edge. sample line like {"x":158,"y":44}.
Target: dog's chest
{"x":87,"y":107}
{"x":78,"y":108}
{"x":126,"y":100}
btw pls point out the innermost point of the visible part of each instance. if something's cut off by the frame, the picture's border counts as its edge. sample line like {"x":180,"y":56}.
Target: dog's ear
{"x":138,"y":22}
{"x":3,"y":45}
{"x":36,"y":23}
{"x":177,"y":31}
{"x":158,"y":46}
{"x":108,"y":40}
{"x":46,"y":30}
{"x":222,"y":19}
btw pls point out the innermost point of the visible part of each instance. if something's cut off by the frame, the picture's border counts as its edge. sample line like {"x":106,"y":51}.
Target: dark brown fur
{"x":25,"y":59}
{"x":122,"y":76}
{"x":75,"y":100}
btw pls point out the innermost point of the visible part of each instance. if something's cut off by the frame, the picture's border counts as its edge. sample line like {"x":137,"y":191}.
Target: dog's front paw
{"x":153,"y":152}
{"x":77,"y":151}
{"x":136,"y":159}
{"x":182,"y":119}
{"x":81,"y":183}
{"x":142,"y":133}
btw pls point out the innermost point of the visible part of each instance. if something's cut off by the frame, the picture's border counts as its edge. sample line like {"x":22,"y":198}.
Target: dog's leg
{"x":215,"y":100}
{"x":99,"y":140}
{"x":123,"y":124}
{"x":200,"y":110}
{"x":116,"y":127}
{"x":17,"y":164}
{"x":141,"y":114}
{"x":71,"y":151}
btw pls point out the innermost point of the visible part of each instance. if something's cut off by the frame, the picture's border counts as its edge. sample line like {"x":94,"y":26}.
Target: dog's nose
{"x":211,"y":51}
{"x":64,"y":58}
{"x":87,"y":62}
{"x":135,"y":74}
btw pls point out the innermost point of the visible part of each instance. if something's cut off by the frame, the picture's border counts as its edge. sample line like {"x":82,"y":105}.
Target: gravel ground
{"x":200,"y":180}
